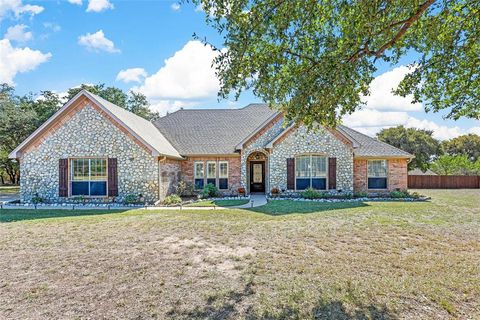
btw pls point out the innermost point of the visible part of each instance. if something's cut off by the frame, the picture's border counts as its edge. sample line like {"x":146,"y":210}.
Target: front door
{"x":257,"y":176}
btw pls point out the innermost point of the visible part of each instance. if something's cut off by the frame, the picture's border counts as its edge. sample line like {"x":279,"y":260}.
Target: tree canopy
{"x":455,"y":165}
{"x":315,"y":59}
{"x":468,"y":145}
{"x":415,"y":141}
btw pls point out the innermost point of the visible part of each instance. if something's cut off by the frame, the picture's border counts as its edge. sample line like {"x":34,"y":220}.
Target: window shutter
{"x":112,"y":177}
{"x":63,"y":178}
{"x":290,"y":173}
{"x":332,"y":173}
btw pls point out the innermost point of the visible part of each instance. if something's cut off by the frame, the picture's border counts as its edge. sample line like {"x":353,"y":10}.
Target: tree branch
{"x":401,"y":32}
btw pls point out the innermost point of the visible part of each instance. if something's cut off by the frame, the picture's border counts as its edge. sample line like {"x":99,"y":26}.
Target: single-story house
{"x":93,"y":148}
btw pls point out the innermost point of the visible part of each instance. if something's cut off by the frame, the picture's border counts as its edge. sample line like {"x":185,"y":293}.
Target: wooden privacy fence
{"x":443,"y":182}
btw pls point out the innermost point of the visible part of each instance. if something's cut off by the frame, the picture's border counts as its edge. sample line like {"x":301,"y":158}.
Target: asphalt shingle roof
{"x":219,"y":131}
{"x":370,"y":147}
{"x":212,"y":131}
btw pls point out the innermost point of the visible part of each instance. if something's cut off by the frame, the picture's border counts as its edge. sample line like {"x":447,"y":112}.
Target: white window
{"x":88,"y":177}
{"x":311,"y":172}
{"x":212,"y":172}
{"x":223,"y":175}
{"x":199,"y":173}
{"x":377,"y":174}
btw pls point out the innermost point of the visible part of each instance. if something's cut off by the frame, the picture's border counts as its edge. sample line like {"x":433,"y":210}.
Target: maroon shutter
{"x":291,"y":174}
{"x":63,"y":178}
{"x":332,"y":173}
{"x":112,"y":177}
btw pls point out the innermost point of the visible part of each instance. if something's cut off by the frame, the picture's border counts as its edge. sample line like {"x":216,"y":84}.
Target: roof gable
{"x":141,"y":129}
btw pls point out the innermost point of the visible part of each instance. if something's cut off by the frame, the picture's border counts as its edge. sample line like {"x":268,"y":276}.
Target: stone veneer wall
{"x":88,"y":133}
{"x":301,"y":141}
{"x":397,"y":175}
{"x":233,"y":169}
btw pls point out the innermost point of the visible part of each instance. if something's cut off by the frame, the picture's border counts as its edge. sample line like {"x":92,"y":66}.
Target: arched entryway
{"x":257,"y":172}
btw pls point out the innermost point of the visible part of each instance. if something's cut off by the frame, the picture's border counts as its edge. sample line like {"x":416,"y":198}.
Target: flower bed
{"x":334,"y":196}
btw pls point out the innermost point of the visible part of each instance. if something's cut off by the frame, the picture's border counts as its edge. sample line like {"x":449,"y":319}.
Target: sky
{"x":148,"y":46}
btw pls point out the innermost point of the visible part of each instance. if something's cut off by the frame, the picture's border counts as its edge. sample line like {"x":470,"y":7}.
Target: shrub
{"x":37,"y":199}
{"x":311,"y":193}
{"x":185,"y":189}
{"x":360,"y":195}
{"x":399,"y":194}
{"x":172,"y":199}
{"x":210,"y":191}
{"x":131,"y":199}
{"x":78,"y":199}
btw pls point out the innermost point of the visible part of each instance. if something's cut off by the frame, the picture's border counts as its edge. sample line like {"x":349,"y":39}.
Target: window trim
{"x":310,"y":156}
{"x":386,"y":175}
{"x":70,"y":176}
{"x":195,"y":177}
{"x":220,"y":176}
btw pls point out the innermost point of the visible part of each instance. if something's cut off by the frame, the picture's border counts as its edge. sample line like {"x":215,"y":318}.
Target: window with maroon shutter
{"x":332,"y":173}
{"x":63,"y":178}
{"x":112,"y":177}
{"x":290,"y":173}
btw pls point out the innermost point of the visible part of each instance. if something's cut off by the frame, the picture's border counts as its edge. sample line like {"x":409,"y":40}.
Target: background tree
{"x":415,"y":141}
{"x":314,"y":59}
{"x":455,"y":165}
{"x":468,"y":144}
{"x":133,"y":101}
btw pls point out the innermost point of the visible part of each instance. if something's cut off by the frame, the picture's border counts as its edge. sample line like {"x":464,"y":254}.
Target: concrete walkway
{"x":256,"y":200}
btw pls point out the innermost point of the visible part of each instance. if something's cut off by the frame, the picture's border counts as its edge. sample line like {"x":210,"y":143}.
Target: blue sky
{"x":148,"y":46}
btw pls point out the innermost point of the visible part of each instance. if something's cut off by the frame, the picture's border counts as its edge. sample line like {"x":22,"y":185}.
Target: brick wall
{"x":359,"y":175}
{"x":233,"y":169}
{"x":397,"y":174}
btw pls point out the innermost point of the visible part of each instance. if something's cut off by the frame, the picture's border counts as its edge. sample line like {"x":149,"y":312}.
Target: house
{"x":93,"y":148}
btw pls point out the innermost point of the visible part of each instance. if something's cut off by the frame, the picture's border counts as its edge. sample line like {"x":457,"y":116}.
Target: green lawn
{"x":9,"y":189}
{"x":219,"y":203}
{"x":285,"y":260}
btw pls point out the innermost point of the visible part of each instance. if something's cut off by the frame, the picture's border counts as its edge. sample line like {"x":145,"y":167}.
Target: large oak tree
{"x":314,"y":59}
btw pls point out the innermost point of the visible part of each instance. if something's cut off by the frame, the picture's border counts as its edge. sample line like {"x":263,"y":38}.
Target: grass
{"x":9,"y":189}
{"x":219,"y":203}
{"x":285,"y":260}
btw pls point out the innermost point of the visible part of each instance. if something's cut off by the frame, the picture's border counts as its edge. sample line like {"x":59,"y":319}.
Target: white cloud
{"x":188,"y":74}
{"x":474,"y":130}
{"x":175,"y":6}
{"x":131,"y":75}
{"x":18,"y":33}
{"x":99,"y":5}
{"x":439,"y":132}
{"x":97,"y":42}
{"x":18,"y":60}
{"x":18,"y":8}
{"x":52,"y":26}
{"x":166,"y":106}
{"x":374,"y":118}
{"x":381,"y":96}
{"x":77,"y":2}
